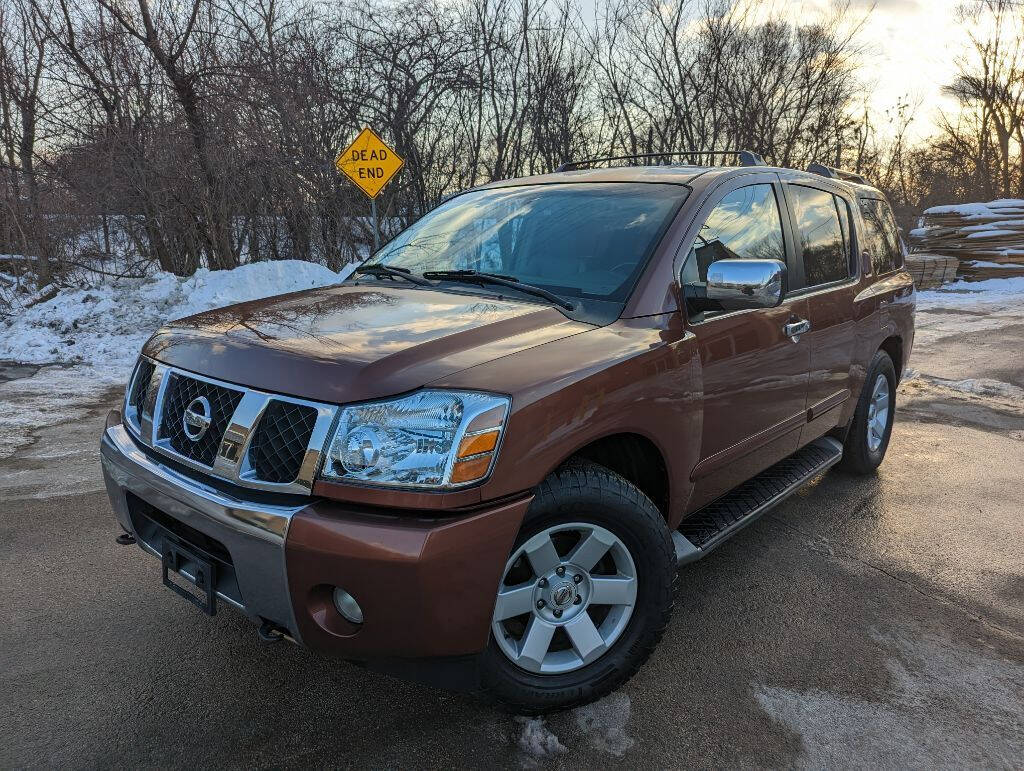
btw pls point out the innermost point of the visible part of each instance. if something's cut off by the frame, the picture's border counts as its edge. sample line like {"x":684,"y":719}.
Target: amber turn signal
{"x":474,"y":445}
{"x":474,"y":468}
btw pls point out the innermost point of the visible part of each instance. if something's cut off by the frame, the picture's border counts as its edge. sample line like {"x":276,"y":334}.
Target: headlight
{"x":429,"y":439}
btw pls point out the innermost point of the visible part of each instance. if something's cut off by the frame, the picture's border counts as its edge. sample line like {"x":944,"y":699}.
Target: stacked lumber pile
{"x":991,"y":232}
{"x":931,"y":270}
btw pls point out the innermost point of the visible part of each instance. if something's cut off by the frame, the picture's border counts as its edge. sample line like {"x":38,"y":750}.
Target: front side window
{"x":745,"y":225}
{"x":881,"y":236}
{"x":576,"y":240}
{"x":821,"y":233}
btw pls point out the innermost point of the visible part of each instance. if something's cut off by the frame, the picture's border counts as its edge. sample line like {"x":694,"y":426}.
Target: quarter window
{"x":745,"y":225}
{"x":881,"y":236}
{"x":823,"y":238}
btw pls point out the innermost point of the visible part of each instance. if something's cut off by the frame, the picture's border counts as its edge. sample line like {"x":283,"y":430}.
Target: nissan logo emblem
{"x":196,"y":419}
{"x":564,"y":595}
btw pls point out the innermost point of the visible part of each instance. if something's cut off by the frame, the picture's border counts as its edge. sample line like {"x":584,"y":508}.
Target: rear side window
{"x":881,"y":236}
{"x":823,"y":237}
{"x":745,"y":225}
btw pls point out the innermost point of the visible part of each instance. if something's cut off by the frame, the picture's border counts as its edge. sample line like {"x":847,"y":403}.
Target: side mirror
{"x":740,"y":284}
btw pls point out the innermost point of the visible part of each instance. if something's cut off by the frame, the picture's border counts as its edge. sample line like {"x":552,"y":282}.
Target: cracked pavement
{"x":870,"y":622}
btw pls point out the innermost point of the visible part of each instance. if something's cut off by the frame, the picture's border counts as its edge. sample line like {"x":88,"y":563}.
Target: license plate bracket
{"x":175,"y":557}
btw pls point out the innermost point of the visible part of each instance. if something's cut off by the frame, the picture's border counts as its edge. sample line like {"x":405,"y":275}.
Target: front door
{"x":826,"y":275}
{"x":754,"y":372}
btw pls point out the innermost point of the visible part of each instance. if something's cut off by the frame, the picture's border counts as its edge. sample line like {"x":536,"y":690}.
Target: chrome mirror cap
{"x":740,"y":284}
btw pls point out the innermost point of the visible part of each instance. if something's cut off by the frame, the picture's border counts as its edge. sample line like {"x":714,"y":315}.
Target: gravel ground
{"x":868,"y":622}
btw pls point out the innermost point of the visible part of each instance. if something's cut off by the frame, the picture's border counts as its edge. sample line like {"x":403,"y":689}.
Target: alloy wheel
{"x":878,"y":413}
{"x":566,"y":596}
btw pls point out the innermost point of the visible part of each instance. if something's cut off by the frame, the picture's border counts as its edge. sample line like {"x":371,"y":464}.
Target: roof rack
{"x":833,"y":173}
{"x":747,"y":158}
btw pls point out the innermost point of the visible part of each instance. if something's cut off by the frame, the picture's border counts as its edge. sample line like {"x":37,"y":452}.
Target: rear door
{"x":825,"y":276}
{"x":891,"y":284}
{"x":754,"y":375}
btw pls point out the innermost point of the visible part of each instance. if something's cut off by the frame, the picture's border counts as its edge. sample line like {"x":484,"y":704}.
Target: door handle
{"x":794,"y":329}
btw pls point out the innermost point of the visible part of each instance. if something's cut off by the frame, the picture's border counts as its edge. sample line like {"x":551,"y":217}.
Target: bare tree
{"x":23,"y":51}
{"x":204,"y":134}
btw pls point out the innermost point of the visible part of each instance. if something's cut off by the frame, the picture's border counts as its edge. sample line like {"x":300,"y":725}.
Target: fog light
{"x":347,"y":606}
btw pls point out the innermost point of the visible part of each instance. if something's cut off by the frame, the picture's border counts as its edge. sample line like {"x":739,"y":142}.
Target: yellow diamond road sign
{"x":369,"y":162}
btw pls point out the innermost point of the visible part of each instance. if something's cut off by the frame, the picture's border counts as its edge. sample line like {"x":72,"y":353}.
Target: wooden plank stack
{"x":931,"y":270}
{"x":990,"y":232}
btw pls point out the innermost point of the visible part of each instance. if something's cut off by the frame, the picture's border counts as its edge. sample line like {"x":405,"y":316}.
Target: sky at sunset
{"x":912,"y":48}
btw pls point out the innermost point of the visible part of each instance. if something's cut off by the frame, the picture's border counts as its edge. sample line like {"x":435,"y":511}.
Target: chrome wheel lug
{"x":558,"y":613}
{"x":578,"y":600}
{"x":577,"y":578}
{"x":540,"y":604}
{"x":542,"y":583}
{"x":560,"y":570}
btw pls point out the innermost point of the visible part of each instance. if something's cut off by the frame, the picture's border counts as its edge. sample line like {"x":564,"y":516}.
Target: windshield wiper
{"x":379,"y":271}
{"x":476,"y":277}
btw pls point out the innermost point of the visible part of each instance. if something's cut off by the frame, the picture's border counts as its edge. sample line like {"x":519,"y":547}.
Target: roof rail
{"x":833,"y":173}
{"x":747,"y":158}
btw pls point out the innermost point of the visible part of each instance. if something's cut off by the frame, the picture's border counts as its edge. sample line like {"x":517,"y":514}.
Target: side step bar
{"x":710,"y":526}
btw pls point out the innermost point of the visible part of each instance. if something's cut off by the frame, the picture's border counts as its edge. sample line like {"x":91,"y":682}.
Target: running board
{"x":707,"y":528}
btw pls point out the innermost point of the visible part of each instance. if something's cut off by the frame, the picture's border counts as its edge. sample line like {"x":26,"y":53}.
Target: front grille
{"x":180,"y":392}
{"x":269,"y":447}
{"x":140,"y":386}
{"x":280,"y":441}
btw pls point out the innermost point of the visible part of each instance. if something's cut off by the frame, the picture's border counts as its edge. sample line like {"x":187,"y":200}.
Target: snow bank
{"x":102,"y":327}
{"x":989,"y":295}
{"x":89,"y":338}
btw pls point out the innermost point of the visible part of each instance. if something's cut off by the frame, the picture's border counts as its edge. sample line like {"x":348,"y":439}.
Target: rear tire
{"x":870,"y":430}
{"x":576,"y":502}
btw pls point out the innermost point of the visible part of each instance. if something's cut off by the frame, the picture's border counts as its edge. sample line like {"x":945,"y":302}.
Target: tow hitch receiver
{"x":192,"y":567}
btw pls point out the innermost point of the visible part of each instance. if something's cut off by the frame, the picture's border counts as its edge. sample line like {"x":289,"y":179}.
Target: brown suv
{"x":481,"y":459}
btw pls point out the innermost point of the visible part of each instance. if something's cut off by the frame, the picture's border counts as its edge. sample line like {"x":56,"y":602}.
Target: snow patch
{"x":603,"y":723}
{"x":984,"y":386}
{"x":989,"y":232}
{"x":988,"y":295}
{"x":915,"y":724}
{"x":52,"y":396}
{"x":1006,"y":394}
{"x":537,"y":742}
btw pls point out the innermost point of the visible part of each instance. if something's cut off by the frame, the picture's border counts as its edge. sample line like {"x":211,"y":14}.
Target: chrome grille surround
{"x":232,"y":460}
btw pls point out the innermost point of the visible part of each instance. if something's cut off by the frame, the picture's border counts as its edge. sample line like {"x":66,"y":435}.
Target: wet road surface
{"x":872,"y":622}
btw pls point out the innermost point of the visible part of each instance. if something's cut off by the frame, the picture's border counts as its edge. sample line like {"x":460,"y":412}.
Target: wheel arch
{"x":893,"y":345}
{"x":634,"y":457}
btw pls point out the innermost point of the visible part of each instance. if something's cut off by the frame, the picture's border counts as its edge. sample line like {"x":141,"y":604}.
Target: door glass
{"x":892,"y":233}
{"x":745,"y":225}
{"x":821,"y":236}
{"x":844,"y":220}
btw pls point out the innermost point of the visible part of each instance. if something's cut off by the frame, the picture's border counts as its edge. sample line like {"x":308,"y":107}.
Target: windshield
{"x":577,"y":240}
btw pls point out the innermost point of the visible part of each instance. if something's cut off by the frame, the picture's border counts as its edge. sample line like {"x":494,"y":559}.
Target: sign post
{"x":370,"y":164}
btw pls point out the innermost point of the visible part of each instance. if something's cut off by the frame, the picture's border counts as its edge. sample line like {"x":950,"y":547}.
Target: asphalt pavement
{"x":867,"y":622}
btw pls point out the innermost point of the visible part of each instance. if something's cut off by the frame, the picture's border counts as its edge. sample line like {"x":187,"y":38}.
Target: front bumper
{"x":426,"y":585}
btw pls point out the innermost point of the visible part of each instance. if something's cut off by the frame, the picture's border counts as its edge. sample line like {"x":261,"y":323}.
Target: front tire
{"x":871,"y":427}
{"x":585,"y":595}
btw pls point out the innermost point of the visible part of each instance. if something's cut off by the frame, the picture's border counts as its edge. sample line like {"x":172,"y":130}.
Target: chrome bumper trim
{"x":254,"y":534}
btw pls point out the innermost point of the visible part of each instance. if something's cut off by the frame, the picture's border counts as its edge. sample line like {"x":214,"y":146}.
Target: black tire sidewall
{"x":609,"y":501}
{"x":858,"y":457}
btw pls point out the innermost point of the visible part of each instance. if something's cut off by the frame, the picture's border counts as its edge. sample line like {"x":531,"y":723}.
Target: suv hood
{"x":352,"y":343}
